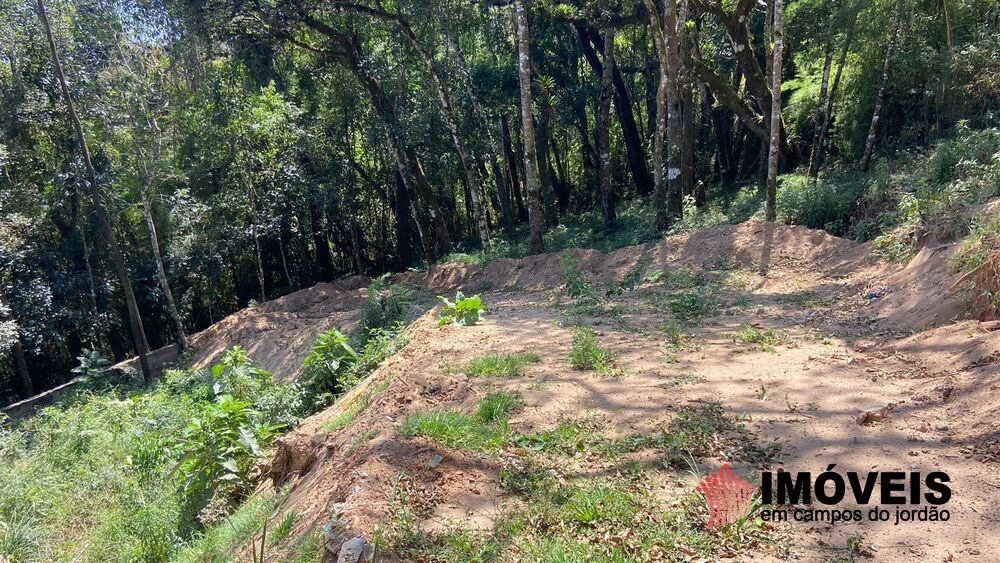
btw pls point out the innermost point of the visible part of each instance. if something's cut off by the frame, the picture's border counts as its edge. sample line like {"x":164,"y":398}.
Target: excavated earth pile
{"x":833,"y":357}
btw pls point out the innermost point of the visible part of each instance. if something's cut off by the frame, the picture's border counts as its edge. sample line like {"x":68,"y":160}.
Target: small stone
{"x":351,"y":550}
{"x":436,"y":460}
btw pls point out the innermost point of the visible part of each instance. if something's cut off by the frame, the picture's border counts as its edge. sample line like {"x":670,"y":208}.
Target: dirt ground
{"x":850,"y":335}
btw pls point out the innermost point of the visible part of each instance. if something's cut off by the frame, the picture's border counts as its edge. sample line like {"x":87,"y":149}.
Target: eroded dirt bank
{"x":791,"y":358}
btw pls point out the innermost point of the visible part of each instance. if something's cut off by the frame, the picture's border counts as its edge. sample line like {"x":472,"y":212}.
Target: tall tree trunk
{"x":444,"y":97}
{"x":350,"y":57}
{"x":103,"y":220}
{"x":659,"y":179}
{"x":603,"y":130}
{"x":161,"y":272}
{"x":770,"y":213}
{"x":543,"y":134}
{"x":634,"y":151}
{"x":824,"y":129}
{"x":686,"y":96}
{"x":819,"y":118}
{"x":152,"y":179}
{"x":515,"y":184}
{"x":503,"y":190}
{"x":866,"y":158}
{"x":259,"y":257}
{"x":535,"y":219}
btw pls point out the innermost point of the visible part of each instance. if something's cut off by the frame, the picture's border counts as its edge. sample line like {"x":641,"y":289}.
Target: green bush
{"x":463,"y":311}
{"x":385,"y":306}
{"x":326,"y":372}
{"x":825,"y":204}
{"x":587,"y":354}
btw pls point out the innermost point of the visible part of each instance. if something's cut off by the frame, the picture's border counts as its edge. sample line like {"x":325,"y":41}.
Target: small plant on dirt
{"x":500,"y":365}
{"x":577,"y":284}
{"x":93,"y":370}
{"x":283,"y":529}
{"x":485,"y":431}
{"x":765,"y":339}
{"x":463,"y":311}
{"x":385,"y":306}
{"x":587,"y":353}
{"x":707,"y":430}
{"x":327,"y":369}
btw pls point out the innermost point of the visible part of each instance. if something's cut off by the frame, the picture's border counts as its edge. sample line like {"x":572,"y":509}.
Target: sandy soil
{"x":849,"y":344}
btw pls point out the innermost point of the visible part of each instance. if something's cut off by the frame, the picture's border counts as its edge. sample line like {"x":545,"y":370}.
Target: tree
{"x":669,"y":132}
{"x":770,"y":213}
{"x":103,"y":220}
{"x":866,"y":157}
{"x":535,"y":219}
{"x":603,"y":132}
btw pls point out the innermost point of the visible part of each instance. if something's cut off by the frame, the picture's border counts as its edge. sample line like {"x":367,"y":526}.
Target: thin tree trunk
{"x":471,"y":174}
{"x":503,"y":191}
{"x":161,"y":273}
{"x":687,"y":104}
{"x":866,"y":158}
{"x":260,"y":261}
{"x":659,"y":180}
{"x":603,"y":133}
{"x":634,"y":151}
{"x":103,"y":220}
{"x":772,"y":154}
{"x":515,"y":184}
{"x":820,"y":118}
{"x":284,"y":261}
{"x":154,"y":241}
{"x":832,"y":97}
{"x":535,"y":219}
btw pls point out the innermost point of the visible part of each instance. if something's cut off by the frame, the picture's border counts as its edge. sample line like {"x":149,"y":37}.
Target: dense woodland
{"x":165,"y":163}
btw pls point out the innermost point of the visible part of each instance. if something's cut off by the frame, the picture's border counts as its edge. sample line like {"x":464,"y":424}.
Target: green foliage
{"x":587,"y":354}
{"x":695,"y":217}
{"x":385,"y":306}
{"x":825,"y":204}
{"x":463,"y":311}
{"x":764,"y":339}
{"x":500,"y":365}
{"x":327,"y":370}
{"x":577,"y":284}
{"x":485,"y":431}
{"x":983,"y":239}
{"x":128,"y":475}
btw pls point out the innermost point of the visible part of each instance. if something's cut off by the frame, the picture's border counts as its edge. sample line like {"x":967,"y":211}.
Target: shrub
{"x":588,"y":354}
{"x":464,"y":311}
{"x":327,"y":369}
{"x":827,"y":203}
{"x":385,"y":306}
{"x":577,"y":284}
{"x":220,"y":446}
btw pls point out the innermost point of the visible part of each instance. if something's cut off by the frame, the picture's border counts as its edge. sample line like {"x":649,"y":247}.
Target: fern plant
{"x":463,"y":311}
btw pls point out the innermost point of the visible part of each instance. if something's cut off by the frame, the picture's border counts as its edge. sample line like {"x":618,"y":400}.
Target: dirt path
{"x":794,"y":357}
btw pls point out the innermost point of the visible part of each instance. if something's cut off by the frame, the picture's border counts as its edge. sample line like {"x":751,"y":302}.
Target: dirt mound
{"x":740,"y":244}
{"x":279,"y":334}
{"x":346,"y":468}
{"x":916,"y":297}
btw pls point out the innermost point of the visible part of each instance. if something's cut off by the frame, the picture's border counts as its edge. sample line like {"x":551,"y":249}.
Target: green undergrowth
{"x":496,"y":364}
{"x":617,"y":518}
{"x":588,"y":354}
{"x":487,"y":430}
{"x":140,"y":474}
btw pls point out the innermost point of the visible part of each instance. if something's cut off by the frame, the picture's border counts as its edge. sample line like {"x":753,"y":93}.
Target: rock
{"x":436,"y":460}
{"x":873,"y":414}
{"x":351,"y":550}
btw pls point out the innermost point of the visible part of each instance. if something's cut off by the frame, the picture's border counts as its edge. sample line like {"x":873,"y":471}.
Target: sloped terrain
{"x":757,"y":372}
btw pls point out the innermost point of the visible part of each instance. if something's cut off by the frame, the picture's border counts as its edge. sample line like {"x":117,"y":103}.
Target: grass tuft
{"x":587,"y":354}
{"x":500,"y":365}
